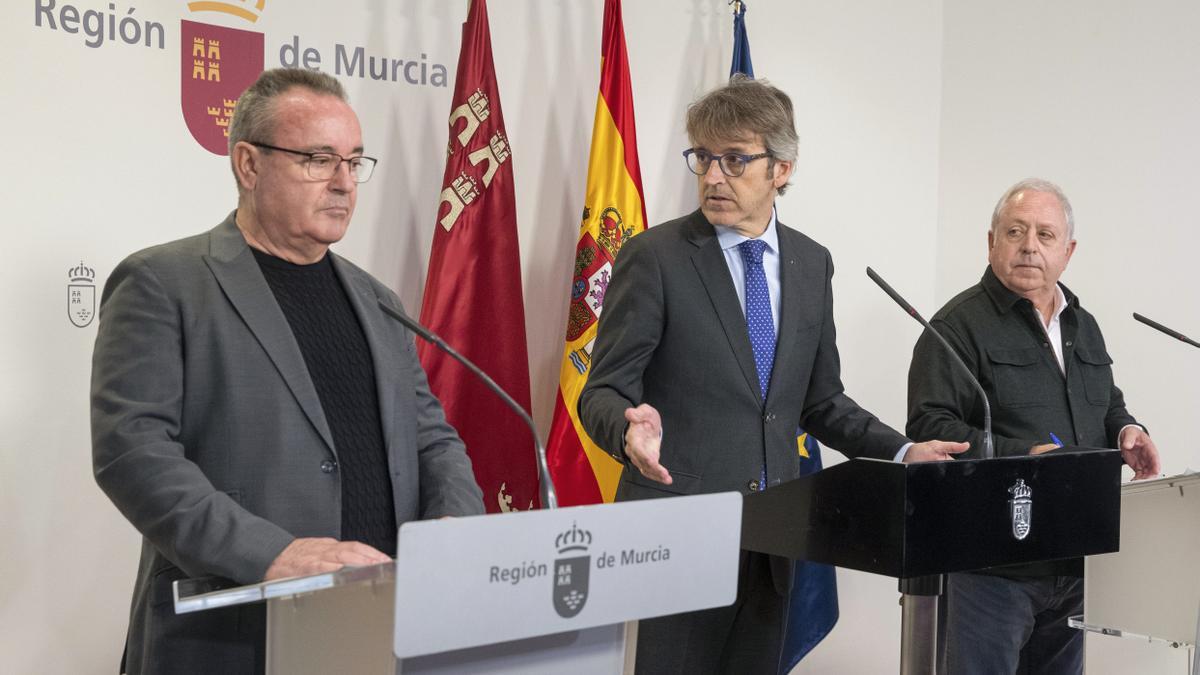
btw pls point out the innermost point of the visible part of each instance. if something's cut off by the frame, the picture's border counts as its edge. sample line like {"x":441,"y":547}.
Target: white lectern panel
{"x":1151,"y":587}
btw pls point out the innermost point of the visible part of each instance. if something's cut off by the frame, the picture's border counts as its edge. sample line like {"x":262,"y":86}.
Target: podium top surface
{"x":194,"y":595}
{"x":1187,"y":480}
{"x":908,"y":520}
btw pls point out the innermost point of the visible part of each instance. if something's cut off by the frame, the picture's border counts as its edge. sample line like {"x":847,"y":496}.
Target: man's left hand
{"x":1139,"y":452}
{"x":934,"y":451}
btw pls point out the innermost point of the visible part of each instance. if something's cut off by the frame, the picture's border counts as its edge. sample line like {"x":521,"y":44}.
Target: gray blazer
{"x":673,"y":335}
{"x":208,"y":435}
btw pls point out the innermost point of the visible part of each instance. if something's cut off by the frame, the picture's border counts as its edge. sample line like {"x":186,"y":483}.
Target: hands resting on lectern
{"x":934,"y":451}
{"x":316,"y":555}
{"x":1139,"y":452}
{"x":643,"y":444}
{"x":1137,"y":449}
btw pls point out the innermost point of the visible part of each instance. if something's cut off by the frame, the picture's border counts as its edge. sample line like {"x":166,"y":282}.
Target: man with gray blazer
{"x":255,"y":414}
{"x":716,"y":342}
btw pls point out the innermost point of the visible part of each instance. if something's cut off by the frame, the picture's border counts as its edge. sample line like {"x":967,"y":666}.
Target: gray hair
{"x":747,"y":105}
{"x":1036,"y":185}
{"x":254,"y":114}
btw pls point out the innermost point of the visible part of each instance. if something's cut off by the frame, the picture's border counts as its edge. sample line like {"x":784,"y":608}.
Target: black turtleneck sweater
{"x":339,"y":361}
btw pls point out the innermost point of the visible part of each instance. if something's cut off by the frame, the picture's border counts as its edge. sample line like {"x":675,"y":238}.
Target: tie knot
{"x":752,"y":251}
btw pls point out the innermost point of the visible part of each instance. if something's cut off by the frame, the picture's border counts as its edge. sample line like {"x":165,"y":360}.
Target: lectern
{"x":1150,"y":590}
{"x":530,"y":592}
{"x":911,"y":521}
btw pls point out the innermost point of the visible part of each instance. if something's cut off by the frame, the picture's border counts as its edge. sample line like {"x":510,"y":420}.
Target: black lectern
{"x":914,"y":520}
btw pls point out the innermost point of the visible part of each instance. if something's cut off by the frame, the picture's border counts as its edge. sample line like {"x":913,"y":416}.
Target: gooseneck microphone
{"x":989,"y":450}
{"x":545,"y":484}
{"x":1159,"y":327}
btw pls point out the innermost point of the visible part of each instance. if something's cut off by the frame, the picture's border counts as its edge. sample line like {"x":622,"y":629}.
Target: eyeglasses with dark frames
{"x":733,"y":164}
{"x":324,"y":165}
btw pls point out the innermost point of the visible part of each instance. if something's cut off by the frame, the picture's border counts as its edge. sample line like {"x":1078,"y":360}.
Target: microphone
{"x":989,"y":450}
{"x":1159,"y":327}
{"x":546,"y":491}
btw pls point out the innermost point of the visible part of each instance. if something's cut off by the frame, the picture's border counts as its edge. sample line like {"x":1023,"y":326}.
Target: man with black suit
{"x":255,"y":414}
{"x":697,"y":388}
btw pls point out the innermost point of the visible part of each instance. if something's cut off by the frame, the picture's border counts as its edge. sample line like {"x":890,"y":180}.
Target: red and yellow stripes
{"x":614,"y":210}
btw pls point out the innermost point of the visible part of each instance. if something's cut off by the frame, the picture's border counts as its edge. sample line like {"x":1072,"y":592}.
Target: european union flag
{"x":741,"y":43}
{"x":812,"y":607}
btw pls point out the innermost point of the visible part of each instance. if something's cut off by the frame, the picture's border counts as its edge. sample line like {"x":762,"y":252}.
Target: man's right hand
{"x":643,"y":442}
{"x":315,"y":555}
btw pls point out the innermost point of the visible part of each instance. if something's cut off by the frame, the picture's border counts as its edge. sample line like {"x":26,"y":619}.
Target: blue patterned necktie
{"x":759,"y":322}
{"x":758,"y":311}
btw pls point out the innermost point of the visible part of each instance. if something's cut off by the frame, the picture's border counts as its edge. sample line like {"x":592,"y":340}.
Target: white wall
{"x":1102,"y":98}
{"x":911,"y":123}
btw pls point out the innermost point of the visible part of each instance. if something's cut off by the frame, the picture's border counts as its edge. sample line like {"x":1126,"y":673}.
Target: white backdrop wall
{"x":102,"y":165}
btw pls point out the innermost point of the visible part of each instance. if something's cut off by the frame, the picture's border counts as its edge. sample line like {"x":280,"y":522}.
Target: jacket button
{"x":328,"y":466}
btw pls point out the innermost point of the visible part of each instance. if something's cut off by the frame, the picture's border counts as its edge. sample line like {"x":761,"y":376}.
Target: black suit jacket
{"x":672,"y":334}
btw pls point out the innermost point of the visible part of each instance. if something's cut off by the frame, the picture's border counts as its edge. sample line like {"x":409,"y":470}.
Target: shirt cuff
{"x":1122,"y":431}
{"x":903,"y":451}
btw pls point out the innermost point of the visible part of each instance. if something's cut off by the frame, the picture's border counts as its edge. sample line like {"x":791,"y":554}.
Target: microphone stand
{"x":919,"y":652}
{"x":989,"y":448}
{"x":549,"y":497}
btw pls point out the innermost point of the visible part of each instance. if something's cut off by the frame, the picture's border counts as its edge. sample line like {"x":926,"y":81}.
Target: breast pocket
{"x":1095,"y":368}
{"x":1015,"y":376}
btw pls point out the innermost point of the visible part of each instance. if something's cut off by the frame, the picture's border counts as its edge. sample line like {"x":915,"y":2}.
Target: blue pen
{"x":1054,"y":439}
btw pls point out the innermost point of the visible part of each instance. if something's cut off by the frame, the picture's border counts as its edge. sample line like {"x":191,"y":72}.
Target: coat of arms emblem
{"x":1020,"y":508}
{"x":81,"y":295}
{"x":571,"y":573}
{"x":217,"y":65}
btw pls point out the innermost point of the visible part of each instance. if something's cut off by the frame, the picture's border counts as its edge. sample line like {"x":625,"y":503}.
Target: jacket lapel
{"x":802,"y":284}
{"x":240,"y":278}
{"x":376,"y":326}
{"x":710,"y":264}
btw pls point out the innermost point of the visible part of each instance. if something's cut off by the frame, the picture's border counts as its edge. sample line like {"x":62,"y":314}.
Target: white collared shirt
{"x":1054,"y":327}
{"x":729,"y":239}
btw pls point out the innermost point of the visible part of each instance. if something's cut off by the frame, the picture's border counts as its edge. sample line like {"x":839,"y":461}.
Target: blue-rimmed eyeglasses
{"x":733,"y":164}
{"x":323,"y":165}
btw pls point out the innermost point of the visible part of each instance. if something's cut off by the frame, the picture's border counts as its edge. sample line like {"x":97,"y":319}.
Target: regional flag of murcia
{"x":216,"y":65}
{"x":473,"y":295}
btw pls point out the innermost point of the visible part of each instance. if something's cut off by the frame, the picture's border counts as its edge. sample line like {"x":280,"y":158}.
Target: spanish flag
{"x":614,"y":210}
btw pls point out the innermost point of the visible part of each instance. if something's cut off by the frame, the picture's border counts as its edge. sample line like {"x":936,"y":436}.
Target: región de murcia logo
{"x":217,"y":65}
{"x":1020,"y":507}
{"x":571,"y":573}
